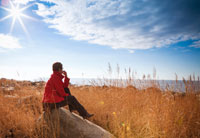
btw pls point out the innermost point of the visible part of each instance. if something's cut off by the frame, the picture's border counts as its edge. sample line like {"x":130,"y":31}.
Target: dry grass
{"x":130,"y":113}
{"x":126,"y":112}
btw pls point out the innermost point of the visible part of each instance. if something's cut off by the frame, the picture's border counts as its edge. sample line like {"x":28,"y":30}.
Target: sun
{"x":16,"y":13}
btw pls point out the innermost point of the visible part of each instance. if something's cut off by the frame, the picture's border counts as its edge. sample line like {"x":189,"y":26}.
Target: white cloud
{"x":24,"y":2}
{"x":196,"y":44}
{"x":43,"y":11}
{"x":107,"y":23}
{"x":9,"y":42}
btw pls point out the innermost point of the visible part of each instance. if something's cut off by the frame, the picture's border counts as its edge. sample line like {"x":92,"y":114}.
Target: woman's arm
{"x":59,"y":86}
{"x":66,"y":80}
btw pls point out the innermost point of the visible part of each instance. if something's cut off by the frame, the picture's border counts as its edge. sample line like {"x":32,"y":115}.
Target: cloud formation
{"x":22,"y":1}
{"x":9,"y":42}
{"x":131,"y":24}
{"x":196,"y":44}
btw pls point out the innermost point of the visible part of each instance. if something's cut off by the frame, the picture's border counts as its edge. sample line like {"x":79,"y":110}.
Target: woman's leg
{"x":51,"y":106}
{"x":73,"y":102}
{"x":67,"y":90}
{"x":62,"y":103}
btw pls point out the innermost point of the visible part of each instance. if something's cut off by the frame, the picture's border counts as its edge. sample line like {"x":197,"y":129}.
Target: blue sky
{"x":86,"y":35}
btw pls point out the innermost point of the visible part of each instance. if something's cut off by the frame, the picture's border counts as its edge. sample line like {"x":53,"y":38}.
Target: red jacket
{"x":54,"y":89}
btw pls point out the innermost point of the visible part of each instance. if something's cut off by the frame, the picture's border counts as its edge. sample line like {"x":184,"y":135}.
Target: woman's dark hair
{"x":57,"y":66}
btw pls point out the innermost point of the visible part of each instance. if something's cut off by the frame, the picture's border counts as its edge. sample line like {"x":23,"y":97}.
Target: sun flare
{"x":16,"y":13}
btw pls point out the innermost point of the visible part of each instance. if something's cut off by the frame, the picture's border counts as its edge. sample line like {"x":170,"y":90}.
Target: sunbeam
{"x":12,"y":25}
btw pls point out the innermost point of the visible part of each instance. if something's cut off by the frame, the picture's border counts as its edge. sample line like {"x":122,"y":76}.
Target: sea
{"x":164,"y":85}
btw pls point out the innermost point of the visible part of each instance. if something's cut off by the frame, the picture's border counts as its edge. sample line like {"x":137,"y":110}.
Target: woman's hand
{"x":64,"y":73}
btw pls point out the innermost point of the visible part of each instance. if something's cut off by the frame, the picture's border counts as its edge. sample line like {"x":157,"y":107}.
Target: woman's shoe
{"x":88,"y":116}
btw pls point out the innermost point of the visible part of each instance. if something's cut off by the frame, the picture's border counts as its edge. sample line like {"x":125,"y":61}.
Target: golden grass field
{"x":126,"y":112}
